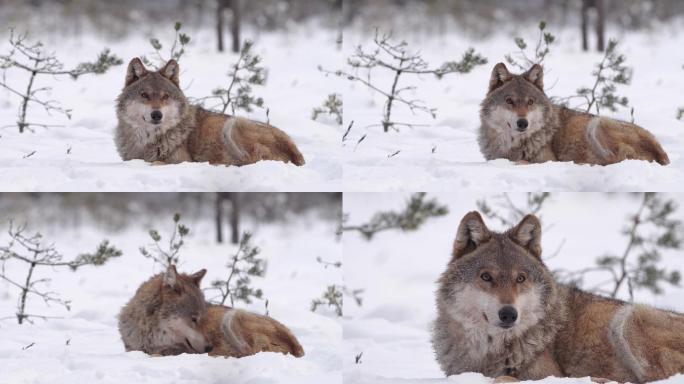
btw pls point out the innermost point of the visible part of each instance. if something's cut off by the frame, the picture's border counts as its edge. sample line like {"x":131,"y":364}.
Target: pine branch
{"x":332,"y":297}
{"x":514,"y":213}
{"x":157,"y":59}
{"x":332,"y":107}
{"x":416,"y":212}
{"x":246,"y":73}
{"x":609,"y":73}
{"x":171,"y":254}
{"x":522,"y":60}
{"x":242,"y":267}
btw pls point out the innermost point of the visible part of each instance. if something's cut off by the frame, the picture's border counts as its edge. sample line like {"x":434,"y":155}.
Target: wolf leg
{"x":506,"y":379}
{"x":250,"y":333}
{"x":600,"y":380}
{"x":649,"y":342}
{"x":248,"y":141}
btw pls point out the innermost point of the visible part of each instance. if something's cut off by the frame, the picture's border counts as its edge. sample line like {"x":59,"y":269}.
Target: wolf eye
{"x":144,"y":95}
{"x":530,"y":101}
{"x":195,"y":319}
{"x":165,"y":97}
{"x":521,"y":279}
{"x":509,"y":101}
{"x":486,"y":276}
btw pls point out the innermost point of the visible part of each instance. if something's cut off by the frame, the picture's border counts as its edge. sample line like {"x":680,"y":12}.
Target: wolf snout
{"x":508,"y":315}
{"x":156,"y":116}
{"x":522,"y":125}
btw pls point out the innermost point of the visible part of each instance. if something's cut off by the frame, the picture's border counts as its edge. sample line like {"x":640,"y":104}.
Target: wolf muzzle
{"x":156,"y":116}
{"x":508,"y":315}
{"x":522,"y":125}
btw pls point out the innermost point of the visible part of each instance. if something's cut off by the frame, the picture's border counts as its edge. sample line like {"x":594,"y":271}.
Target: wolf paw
{"x":506,"y":379}
{"x":601,"y":380}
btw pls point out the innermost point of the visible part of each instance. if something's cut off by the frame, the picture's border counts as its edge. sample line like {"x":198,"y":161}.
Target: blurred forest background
{"x":484,"y":17}
{"x":118,"y":18}
{"x":118,"y":211}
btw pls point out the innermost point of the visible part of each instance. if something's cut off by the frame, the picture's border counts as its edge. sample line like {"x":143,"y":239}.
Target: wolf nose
{"x":522,"y":125}
{"x":157,"y":116}
{"x":208,"y":348}
{"x":508,"y":315}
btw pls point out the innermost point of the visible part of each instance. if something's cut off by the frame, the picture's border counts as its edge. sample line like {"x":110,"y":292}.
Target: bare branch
{"x":34,"y":252}
{"x":33,"y":59}
{"x":398,"y":60}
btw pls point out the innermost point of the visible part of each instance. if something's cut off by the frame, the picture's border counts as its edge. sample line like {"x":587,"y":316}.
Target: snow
{"x":398,"y":273}
{"x":81,"y":156}
{"x":85,"y":346}
{"x":457,"y":163}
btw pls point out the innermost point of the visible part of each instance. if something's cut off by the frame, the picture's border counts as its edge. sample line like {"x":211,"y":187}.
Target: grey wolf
{"x":158,"y":124}
{"x":520,"y":123}
{"x":168,"y":315}
{"x":500,"y":313}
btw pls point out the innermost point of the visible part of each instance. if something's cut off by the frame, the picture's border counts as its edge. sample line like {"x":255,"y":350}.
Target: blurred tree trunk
{"x":600,"y":25}
{"x":221,"y":7}
{"x":585,"y":16}
{"x":236,"y":24}
{"x":599,"y":6}
{"x":338,"y":9}
{"x":233,"y":219}
{"x":219,"y":218}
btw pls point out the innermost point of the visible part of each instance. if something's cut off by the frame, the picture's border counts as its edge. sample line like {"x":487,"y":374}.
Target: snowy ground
{"x":85,"y":345}
{"x":81,"y":156}
{"x":398,"y":272}
{"x":445,"y":156}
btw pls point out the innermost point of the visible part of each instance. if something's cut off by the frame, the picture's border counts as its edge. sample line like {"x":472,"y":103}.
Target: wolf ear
{"x":170,"y":71}
{"x":471,"y":233}
{"x":136,"y":70}
{"x":535,"y":76}
{"x":197,"y":276}
{"x":170,"y":277}
{"x":528,"y":235}
{"x":500,"y":75}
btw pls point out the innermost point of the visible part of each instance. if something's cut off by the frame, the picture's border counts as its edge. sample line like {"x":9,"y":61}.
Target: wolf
{"x":501,"y":313}
{"x":521,"y":124}
{"x":156,"y":123}
{"x":168,"y":315}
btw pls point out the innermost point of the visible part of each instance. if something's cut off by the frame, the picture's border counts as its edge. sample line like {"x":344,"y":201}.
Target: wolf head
{"x":516,"y":105}
{"x":496,"y":282}
{"x":152,"y":101}
{"x":182,"y":310}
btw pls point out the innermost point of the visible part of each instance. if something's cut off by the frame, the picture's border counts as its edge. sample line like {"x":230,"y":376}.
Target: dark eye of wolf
{"x":144,"y":95}
{"x":509,"y":100}
{"x":530,"y":101}
{"x":521,"y":279}
{"x":486,"y":276}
